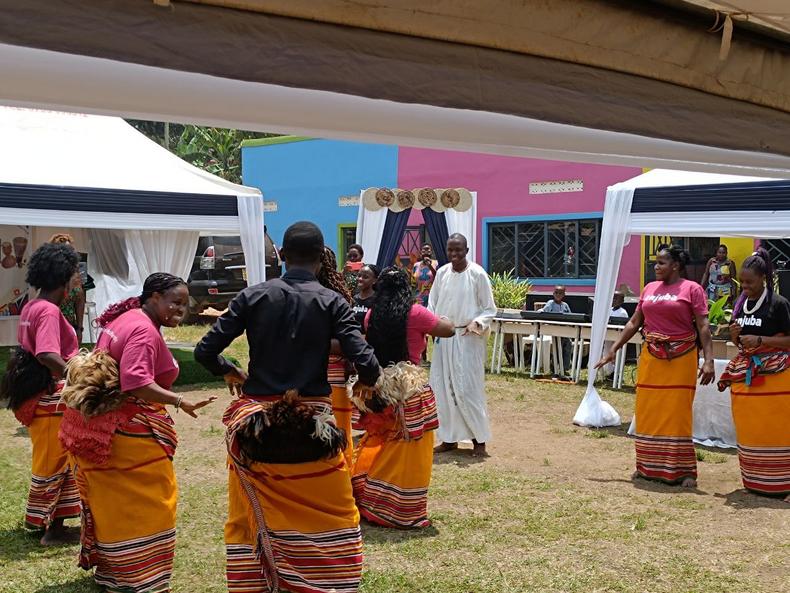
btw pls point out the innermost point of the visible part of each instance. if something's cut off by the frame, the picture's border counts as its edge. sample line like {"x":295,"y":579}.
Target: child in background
{"x":558,"y":305}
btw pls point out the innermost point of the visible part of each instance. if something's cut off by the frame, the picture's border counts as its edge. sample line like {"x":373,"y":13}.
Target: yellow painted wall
{"x":738,"y":248}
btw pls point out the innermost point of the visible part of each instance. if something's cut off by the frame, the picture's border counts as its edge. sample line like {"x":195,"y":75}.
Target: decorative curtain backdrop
{"x":436,"y":224}
{"x":370,"y":228}
{"x":392,"y":237}
{"x":466,"y":224}
{"x":252,"y":238}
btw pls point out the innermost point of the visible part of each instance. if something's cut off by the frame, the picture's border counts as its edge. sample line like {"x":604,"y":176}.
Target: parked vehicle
{"x":219,"y":271}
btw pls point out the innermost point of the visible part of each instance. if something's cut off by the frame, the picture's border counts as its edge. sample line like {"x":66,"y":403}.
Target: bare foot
{"x":636,"y":476}
{"x":60,"y":536}
{"x":479,"y":450}
{"x":688,"y":483}
{"x":787,"y":499}
{"x":445,"y":447}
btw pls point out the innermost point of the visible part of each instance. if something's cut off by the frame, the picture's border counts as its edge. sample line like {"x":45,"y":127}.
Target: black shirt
{"x":773,"y":317}
{"x":361,"y":307}
{"x":289,"y":323}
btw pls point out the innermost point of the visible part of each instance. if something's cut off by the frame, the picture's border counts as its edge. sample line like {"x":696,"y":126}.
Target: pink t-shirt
{"x":42,"y":328}
{"x":670,"y":308}
{"x":420,"y":323}
{"x":143,"y":357}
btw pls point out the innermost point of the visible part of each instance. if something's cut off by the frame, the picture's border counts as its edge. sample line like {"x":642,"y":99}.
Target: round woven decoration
{"x":450,"y":198}
{"x":404,"y":199}
{"x":427,"y":197}
{"x":385,"y":197}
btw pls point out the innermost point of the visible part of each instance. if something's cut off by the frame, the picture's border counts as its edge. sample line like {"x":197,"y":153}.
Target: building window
{"x":548,"y":249}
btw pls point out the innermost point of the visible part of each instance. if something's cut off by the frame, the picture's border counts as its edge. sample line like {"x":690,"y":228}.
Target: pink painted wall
{"x":502,"y":186}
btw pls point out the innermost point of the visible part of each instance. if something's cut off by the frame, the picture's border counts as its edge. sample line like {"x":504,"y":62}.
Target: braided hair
{"x":159,"y":282}
{"x":760,"y":263}
{"x":330,"y":278}
{"x":388,"y":318}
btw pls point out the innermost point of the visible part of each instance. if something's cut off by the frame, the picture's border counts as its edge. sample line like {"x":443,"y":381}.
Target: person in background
{"x":32,"y":385}
{"x":393,"y":462}
{"x":557,"y":304}
{"x":720,"y":276}
{"x":124,"y":457}
{"x":353,"y":265}
{"x":423,"y":273}
{"x":759,"y":380}
{"x":673,"y":316}
{"x":617,"y":311}
{"x":366,"y":291}
{"x":73,"y":306}
{"x":337,"y":367}
{"x":292,"y":523}
{"x":461,"y":292}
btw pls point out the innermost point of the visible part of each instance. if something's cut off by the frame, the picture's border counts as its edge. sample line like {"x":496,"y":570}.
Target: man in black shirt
{"x":290,"y":323}
{"x":282,"y":426}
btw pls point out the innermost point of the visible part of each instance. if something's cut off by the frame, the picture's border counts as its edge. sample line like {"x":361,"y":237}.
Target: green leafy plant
{"x":717,"y":314}
{"x":509,"y":291}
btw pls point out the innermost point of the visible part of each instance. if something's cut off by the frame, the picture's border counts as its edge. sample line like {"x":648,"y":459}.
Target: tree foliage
{"x":216,"y":150}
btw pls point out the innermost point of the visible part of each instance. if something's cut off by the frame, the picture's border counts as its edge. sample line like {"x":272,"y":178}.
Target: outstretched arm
{"x":633,"y":326}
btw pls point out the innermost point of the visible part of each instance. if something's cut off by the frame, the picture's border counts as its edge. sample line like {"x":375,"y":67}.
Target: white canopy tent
{"x":682,"y":204}
{"x":133,"y":206}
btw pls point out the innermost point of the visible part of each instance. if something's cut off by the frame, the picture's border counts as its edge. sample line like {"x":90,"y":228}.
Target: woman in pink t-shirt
{"x":124,"y":456}
{"x":32,"y":385}
{"x":673,"y":316}
{"x":392,"y":468}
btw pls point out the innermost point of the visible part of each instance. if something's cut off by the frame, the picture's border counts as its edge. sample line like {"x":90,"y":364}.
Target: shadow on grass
{"x":85,"y":584}
{"x":742,"y":499}
{"x":21,"y":431}
{"x":458,"y":458}
{"x":385,"y":535}
{"x":650,"y":486}
{"x":621,"y":430}
{"x":20,"y":543}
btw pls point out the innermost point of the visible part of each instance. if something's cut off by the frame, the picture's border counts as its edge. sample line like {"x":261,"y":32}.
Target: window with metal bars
{"x":545,"y":249}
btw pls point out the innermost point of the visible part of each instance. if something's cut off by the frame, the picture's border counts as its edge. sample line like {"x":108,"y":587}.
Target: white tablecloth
{"x":713,"y":425}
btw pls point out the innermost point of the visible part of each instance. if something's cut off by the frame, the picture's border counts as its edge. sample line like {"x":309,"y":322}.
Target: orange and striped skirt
{"x":762,"y":425}
{"x":664,"y":399}
{"x":393,"y":463}
{"x":53,"y":492}
{"x":342,"y":408}
{"x":291,"y":526}
{"x":129,"y":506}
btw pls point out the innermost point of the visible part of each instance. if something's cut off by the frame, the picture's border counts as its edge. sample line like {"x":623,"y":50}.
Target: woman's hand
{"x":706,"y":373}
{"x":235,"y":380}
{"x":750,"y":342}
{"x":190,"y":407}
{"x":735,"y":332}
{"x":608,"y":358}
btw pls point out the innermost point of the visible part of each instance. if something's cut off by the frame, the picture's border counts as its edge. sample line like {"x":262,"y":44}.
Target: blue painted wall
{"x":306,"y":178}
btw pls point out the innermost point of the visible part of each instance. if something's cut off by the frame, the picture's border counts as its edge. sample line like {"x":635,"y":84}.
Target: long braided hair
{"x":159,"y":282}
{"x":388,"y":318}
{"x":760,"y":263}
{"x":330,"y":278}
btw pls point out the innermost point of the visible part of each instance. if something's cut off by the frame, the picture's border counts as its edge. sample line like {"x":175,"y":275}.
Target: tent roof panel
{"x":91,"y":151}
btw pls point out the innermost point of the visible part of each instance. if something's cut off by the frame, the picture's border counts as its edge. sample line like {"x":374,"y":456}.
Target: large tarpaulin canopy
{"x":525,"y":77}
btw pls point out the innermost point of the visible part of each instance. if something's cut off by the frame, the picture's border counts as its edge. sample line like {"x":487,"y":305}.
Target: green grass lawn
{"x":552,"y":510}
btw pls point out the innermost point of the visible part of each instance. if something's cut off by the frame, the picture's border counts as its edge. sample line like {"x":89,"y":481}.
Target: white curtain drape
{"x":252,"y":238}
{"x":466,"y":224}
{"x":593,"y":411}
{"x":370,"y":228}
{"x":122,"y":260}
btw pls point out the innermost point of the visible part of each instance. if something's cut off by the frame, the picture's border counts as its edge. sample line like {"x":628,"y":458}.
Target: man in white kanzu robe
{"x":461,"y":292}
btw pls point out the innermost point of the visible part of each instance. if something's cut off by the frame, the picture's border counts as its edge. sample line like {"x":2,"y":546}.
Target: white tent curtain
{"x":370,"y":228}
{"x":593,"y":411}
{"x":252,"y":238}
{"x":466,"y":224}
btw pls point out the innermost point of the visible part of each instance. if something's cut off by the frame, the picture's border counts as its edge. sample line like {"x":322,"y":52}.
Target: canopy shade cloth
{"x":136,"y":207}
{"x":641,"y":68}
{"x":681,"y":204}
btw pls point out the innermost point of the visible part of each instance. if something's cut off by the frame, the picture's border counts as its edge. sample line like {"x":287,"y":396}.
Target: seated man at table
{"x":557,"y":304}
{"x":617,"y":311}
